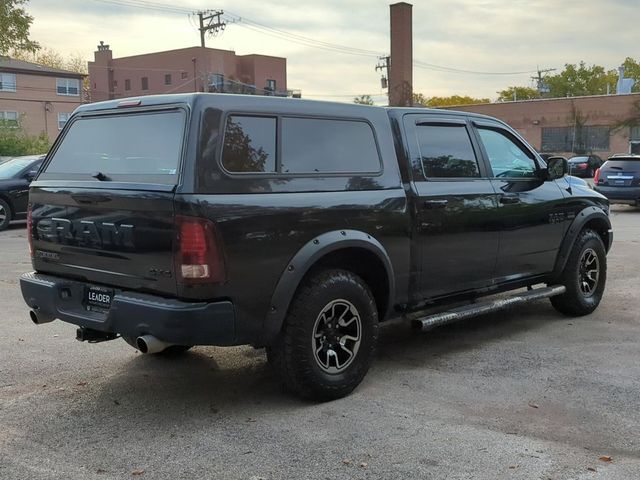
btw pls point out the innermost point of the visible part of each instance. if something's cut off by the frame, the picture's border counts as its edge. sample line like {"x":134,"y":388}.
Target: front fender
{"x":305,"y":259}
{"x":593,"y":215}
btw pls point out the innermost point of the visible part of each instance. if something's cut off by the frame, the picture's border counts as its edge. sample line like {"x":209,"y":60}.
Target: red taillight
{"x":199,"y":256}
{"x":30,"y":230}
{"x":596,"y":177}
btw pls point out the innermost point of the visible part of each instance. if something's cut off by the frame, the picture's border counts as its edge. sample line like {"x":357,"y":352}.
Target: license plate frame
{"x":98,"y":298}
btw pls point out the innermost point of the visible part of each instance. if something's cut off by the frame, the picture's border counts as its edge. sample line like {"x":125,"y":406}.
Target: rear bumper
{"x":132,"y":314}
{"x":620,"y":194}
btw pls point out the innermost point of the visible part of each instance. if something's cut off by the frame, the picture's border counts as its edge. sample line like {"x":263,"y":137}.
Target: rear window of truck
{"x":137,"y":147}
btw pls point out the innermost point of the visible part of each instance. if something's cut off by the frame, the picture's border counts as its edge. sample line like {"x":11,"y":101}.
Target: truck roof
{"x":264,"y":102}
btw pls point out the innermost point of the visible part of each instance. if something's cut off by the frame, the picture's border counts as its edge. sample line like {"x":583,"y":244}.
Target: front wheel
{"x":584,"y":276}
{"x":5,"y":214}
{"x":329,"y":337}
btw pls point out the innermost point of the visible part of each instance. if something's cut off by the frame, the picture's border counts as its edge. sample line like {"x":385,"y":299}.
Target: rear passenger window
{"x":249,"y":144}
{"x":446,"y":151}
{"x":312,"y":145}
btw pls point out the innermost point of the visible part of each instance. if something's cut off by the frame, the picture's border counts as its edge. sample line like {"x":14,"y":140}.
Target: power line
{"x":431,"y":66}
{"x":264,"y":29}
{"x":146,"y":5}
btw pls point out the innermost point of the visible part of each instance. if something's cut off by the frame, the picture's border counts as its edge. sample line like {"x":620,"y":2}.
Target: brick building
{"x":572,"y":125}
{"x":39,"y":98}
{"x":185,"y":70}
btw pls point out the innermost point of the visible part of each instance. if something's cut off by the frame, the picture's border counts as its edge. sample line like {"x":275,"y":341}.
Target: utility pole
{"x":383,"y":65}
{"x":539,"y":79}
{"x":210,"y":21}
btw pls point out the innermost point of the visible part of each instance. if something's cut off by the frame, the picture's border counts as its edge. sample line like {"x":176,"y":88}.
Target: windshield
{"x":578,"y":159}
{"x":138,"y":147}
{"x":11,"y":168}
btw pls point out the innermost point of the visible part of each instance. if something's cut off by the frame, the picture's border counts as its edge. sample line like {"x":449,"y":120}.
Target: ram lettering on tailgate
{"x":85,"y":233}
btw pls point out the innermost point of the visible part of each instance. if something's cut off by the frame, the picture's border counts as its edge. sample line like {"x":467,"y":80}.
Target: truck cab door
{"x":532,"y":210}
{"x":455,"y":207}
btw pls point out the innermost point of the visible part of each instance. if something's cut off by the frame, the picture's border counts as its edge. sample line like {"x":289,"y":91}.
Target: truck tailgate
{"x":121,"y":238}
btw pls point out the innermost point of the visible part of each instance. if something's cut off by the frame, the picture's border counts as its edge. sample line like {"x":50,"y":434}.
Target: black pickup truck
{"x":299,"y":226}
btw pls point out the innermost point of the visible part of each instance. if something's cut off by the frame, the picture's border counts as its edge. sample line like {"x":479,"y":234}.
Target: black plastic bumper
{"x":620,"y":194}
{"x":132,"y":314}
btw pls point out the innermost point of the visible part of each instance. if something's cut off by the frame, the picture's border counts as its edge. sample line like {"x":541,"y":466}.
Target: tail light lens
{"x":30,"y":230}
{"x":199,"y":257}
{"x":596,"y":177}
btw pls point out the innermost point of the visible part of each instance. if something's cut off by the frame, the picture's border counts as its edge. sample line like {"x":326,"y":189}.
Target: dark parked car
{"x":584,"y":166}
{"x":15,"y":176}
{"x":619,"y":179}
{"x":299,"y":226}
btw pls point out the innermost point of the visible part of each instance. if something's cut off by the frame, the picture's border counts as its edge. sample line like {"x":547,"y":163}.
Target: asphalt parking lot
{"x":524,"y":394}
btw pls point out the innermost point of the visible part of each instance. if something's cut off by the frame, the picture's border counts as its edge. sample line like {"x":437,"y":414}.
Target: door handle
{"x":509,"y":199}
{"x":431,"y":204}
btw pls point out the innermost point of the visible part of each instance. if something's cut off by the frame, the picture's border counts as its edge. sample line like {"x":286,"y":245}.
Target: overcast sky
{"x":477,"y":35}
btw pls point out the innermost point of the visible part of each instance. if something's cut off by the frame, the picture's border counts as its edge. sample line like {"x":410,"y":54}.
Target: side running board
{"x":475,"y":309}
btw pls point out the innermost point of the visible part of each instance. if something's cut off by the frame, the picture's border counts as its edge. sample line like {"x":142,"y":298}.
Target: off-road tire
{"x":172,"y":350}
{"x":5,"y":210}
{"x":574,"y":302}
{"x":293,"y":354}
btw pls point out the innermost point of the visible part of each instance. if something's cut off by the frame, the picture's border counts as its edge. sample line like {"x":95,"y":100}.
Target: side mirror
{"x":29,"y":176}
{"x":557,"y":167}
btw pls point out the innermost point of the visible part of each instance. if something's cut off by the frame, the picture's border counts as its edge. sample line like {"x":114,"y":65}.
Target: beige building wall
{"x":38,"y":103}
{"x":531,"y":116}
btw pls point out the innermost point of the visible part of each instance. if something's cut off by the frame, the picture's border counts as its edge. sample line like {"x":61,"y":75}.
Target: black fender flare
{"x":309,"y":255}
{"x":582,"y":218}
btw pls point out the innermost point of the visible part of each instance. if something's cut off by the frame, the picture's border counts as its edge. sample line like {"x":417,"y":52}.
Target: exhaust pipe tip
{"x":151,"y":344}
{"x":39,"y":319}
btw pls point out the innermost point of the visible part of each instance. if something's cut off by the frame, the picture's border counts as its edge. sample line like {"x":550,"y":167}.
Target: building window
{"x":579,"y":140}
{"x":9,"y":119}
{"x":115,"y":83}
{"x":184,"y":75}
{"x":7,"y":82}
{"x":68,"y":86}
{"x":145,"y":83}
{"x":634,"y":135}
{"x":217,"y":82}
{"x":167,"y":79}
{"x":127,"y":84}
{"x":271,"y":86}
{"x":63,"y":118}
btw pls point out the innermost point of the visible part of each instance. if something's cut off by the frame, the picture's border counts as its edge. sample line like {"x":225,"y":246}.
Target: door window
{"x":446,"y":152}
{"x":507,"y":158}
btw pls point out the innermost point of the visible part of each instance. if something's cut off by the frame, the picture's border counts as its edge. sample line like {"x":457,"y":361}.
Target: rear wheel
{"x":329,"y":337}
{"x":171,"y":350}
{"x":5,"y":214}
{"x":584,"y":276}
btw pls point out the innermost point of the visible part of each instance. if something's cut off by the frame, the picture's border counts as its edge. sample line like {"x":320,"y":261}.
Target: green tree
{"x":577,"y":80}
{"x":454,"y":100}
{"x":517,"y":93}
{"x":15,"y":23}
{"x":14,"y":141}
{"x":632,"y":70}
{"x":363,"y":100}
